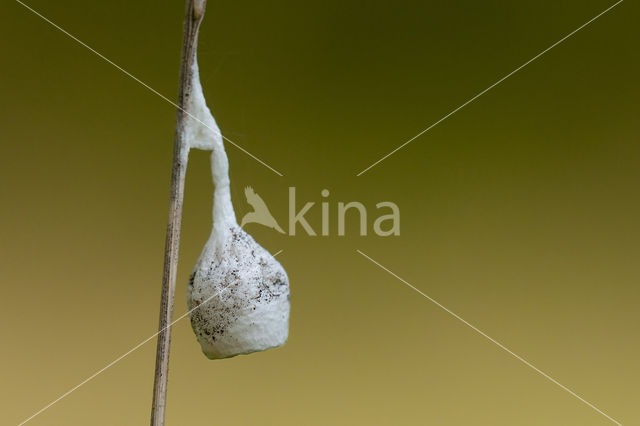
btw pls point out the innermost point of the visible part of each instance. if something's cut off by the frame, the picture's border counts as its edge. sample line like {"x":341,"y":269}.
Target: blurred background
{"x":519,"y":213}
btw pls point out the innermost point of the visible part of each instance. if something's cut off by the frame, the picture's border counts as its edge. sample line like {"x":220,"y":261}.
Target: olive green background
{"x":519,"y":213}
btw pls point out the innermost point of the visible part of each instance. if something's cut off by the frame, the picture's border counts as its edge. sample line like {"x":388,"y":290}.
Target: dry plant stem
{"x":194,"y":14}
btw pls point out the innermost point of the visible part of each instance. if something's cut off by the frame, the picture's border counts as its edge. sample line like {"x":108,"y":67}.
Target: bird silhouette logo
{"x":260,"y":213}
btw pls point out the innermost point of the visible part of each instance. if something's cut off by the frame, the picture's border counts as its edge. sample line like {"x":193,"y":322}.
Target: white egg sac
{"x":238,"y":294}
{"x":241,"y":298}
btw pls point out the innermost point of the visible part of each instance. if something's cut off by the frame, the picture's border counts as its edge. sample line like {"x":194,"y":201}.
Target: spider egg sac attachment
{"x":238,"y":293}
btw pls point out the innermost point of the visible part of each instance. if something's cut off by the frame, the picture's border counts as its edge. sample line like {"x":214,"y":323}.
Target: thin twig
{"x":193,"y":17}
